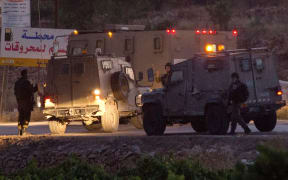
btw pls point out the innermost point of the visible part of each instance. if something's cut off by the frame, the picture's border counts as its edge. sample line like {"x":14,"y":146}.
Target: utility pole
{"x":56,"y":6}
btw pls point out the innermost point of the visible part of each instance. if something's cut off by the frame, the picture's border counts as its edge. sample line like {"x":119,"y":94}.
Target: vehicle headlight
{"x":138,"y":100}
{"x":96,"y":92}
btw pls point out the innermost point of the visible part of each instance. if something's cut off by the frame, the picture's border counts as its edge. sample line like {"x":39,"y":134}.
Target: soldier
{"x":24,"y":92}
{"x":238,"y":94}
{"x":165,"y":78}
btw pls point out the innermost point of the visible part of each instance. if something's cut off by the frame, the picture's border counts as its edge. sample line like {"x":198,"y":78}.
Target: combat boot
{"x":25,"y":132}
{"x":20,"y":132}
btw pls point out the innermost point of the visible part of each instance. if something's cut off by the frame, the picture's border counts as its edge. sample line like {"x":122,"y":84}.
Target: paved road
{"x":76,"y":129}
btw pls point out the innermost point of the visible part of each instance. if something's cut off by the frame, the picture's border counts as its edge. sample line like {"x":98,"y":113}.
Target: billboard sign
{"x":16,"y":13}
{"x":31,"y":44}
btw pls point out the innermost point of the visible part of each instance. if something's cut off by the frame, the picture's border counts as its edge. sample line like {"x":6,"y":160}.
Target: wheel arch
{"x":151,"y":103}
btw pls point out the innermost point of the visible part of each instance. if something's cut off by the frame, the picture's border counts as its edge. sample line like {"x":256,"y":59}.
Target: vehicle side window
{"x":107,"y":65}
{"x":129,"y":45}
{"x":177,"y":76}
{"x":150,"y":74}
{"x":78,"y":47}
{"x":129,"y":72}
{"x":79,"y":68}
{"x":65,"y":69}
{"x":245,"y":65}
{"x":158,"y":44}
{"x":259,"y":64}
{"x":76,"y":51}
{"x":100,"y":46}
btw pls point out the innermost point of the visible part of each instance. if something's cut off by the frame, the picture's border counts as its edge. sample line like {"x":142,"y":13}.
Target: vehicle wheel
{"x":266,"y":123}
{"x":120,"y":86}
{"x":199,"y":125}
{"x":57,"y":126}
{"x":137,"y":121}
{"x":110,"y":118}
{"x":94,"y":126}
{"x":217,"y":120}
{"x":153,"y":121}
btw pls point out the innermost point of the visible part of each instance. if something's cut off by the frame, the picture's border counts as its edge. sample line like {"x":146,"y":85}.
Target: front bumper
{"x":74,"y":112}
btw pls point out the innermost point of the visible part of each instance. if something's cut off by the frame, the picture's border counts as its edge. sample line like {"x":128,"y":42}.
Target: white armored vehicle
{"x":97,"y":90}
{"x":197,"y":92}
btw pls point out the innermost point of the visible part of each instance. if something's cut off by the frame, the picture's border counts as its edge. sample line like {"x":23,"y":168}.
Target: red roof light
{"x":235,"y":32}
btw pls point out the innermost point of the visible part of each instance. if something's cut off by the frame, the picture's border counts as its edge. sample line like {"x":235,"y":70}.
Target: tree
{"x":220,"y":13}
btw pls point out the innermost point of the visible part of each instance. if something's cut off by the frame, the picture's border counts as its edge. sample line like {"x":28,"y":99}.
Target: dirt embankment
{"x":115,"y":153}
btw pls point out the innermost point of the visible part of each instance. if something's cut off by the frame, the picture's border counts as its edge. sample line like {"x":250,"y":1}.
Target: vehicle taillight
{"x":235,"y":32}
{"x":173,"y":31}
{"x":168,"y":31}
{"x":49,"y":101}
{"x":279,"y":93}
{"x":198,"y":31}
{"x":204,"y":31}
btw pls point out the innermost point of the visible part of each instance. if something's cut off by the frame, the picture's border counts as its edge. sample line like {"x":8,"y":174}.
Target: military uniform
{"x":234,"y":98}
{"x":165,"y":79}
{"x":24,"y":92}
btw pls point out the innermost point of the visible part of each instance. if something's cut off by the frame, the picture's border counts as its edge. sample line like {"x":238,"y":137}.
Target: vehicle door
{"x":266,"y":80}
{"x":243,"y":65}
{"x":84,"y":80}
{"x":175,"y":95}
{"x":209,"y":80}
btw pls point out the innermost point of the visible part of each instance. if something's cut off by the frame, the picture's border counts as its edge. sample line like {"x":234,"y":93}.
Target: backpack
{"x":243,"y":93}
{"x":22,"y":89}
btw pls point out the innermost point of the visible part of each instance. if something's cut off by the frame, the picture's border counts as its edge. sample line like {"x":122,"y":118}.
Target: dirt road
{"x":76,"y":129}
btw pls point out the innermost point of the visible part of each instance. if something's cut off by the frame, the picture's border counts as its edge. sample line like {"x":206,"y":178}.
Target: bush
{"x":270,"y":164}
{"x":71,"y":169}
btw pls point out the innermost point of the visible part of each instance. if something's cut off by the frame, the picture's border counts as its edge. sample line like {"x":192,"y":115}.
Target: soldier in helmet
{"x":238,"y":94}
{"x":24,"y":92}
{"x":165,"y":78}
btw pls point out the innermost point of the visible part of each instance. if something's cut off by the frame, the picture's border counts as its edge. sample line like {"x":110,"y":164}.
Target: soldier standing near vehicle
{"x":166,"y":77}
{"x":238,"y":94}
{"x":24,"y":92}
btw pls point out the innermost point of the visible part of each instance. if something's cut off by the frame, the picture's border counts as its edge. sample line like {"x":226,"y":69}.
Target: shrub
{"x":270,"y":164}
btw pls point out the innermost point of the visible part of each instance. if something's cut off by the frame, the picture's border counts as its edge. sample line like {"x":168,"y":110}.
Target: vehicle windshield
{"x":78,"y":48}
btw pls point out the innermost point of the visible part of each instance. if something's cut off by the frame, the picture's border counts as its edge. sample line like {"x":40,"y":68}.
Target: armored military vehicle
{"x":97,"y":90}
{"x":151,"y":50}
{"x":197,"y":92}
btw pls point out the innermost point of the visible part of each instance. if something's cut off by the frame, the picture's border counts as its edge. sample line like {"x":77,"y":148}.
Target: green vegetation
{"x":270,"y":164}
{"x":220,"y":13}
